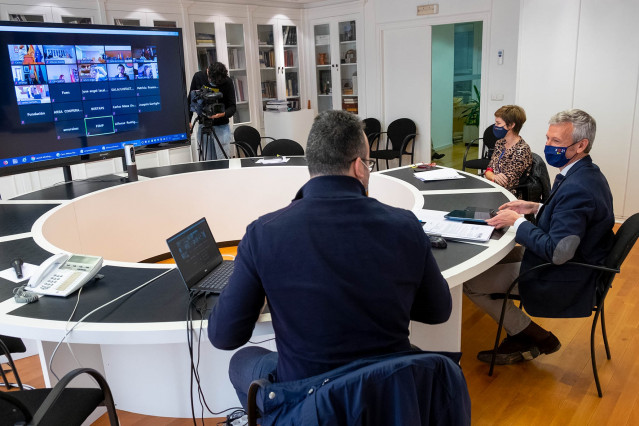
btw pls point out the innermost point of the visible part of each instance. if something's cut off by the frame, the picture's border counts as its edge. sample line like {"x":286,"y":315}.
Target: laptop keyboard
{"x":218,"y":280}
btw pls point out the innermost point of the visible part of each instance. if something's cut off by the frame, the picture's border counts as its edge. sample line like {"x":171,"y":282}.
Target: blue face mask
{"x":499,"y":132}
{"x":556,"y":155}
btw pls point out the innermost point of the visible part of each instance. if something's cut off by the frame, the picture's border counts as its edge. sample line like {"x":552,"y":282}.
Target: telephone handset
{"x":62,"y":274}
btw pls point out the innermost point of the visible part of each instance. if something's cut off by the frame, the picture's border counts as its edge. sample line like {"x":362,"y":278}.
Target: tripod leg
{"x":219,"y":144}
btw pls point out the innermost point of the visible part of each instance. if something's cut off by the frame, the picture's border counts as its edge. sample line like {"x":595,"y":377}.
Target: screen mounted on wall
{"x":72,"y":93}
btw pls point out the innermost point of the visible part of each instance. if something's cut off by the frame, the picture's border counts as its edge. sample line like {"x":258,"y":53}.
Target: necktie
{"x":558,"y":179}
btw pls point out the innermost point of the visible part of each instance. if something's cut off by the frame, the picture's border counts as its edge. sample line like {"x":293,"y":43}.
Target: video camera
{"x":206,"y":102}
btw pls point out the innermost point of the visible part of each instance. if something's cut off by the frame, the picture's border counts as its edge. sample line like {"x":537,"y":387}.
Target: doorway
{"x":456,"y":87}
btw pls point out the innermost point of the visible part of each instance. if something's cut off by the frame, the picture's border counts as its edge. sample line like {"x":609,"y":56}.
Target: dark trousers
{"x":250,"y":364}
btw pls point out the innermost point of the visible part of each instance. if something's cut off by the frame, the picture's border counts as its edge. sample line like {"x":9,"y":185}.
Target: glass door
{"x":205,"y":44}
{"x":291,"y":66}
{"x":323,"y":67}
{"x":348,"y":69}
{"x":266,"y":52}
{"x":237,"y":71}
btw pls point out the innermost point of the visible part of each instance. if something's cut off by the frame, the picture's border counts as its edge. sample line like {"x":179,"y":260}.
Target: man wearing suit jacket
{"x":575,"y":223}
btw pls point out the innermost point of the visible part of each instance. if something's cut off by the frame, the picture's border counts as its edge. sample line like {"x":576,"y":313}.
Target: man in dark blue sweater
{"x":343,"y":274}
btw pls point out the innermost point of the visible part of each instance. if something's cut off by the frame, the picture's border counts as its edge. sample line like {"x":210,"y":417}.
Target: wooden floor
{"x":454,"y":156}
{"x":555,"y":389}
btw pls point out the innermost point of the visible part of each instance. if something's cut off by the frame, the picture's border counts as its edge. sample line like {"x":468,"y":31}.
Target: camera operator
{"x":215,"y":78}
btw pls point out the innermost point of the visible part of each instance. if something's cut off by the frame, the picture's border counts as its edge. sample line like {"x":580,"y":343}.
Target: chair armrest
{"x":372,"y":138}
{"x":406,"y":141}
{"x":471,"y":143}
{"x":57,"y":390}
{"x":246,"y":148}
{"x":267,"y":137}
{"x":7,"y":353}
{"x":545,"y":265}
{"x":252,"y":410}
{"x":379,"y":136}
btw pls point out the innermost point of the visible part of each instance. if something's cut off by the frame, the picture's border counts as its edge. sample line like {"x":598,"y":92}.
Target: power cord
{"x":94,"y":311}
{"x":22,"y":295}
{"x":195,"y":355}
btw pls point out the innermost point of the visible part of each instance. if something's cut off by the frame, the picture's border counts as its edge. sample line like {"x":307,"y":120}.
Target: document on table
{"x":274,"y":160}
{"x":438,"y":174}
{"x":434,"y":223}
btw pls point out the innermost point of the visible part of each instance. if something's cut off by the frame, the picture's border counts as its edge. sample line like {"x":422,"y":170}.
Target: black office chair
{"x":372,"y":129}
{"x":243,"y":149}
{"x":400,"y":134}
{"x":625,"y":239}
{"x":55,"y":406}
{"x":13,"y":345}
{"x":489,"y":140}
{"x":534,"y":184}
{"x":251,"y":137}
{"x":282,"y":147}
{"x":407,"y":388}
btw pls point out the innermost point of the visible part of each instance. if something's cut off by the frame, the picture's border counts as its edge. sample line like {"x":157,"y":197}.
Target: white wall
{"x":500,"y":18}
{"x":582,"y":54}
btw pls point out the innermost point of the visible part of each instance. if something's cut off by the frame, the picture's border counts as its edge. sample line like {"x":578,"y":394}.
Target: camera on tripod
{"x":206,"y":103}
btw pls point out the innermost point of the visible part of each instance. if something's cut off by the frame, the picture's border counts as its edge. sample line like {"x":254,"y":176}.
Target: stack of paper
{"x":434,"y":223}
{"x":277,"y":105}
{"x":273,"y":160}
{"x":438,"y":174}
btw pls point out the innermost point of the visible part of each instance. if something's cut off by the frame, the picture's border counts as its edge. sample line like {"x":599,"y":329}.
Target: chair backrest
{"x":410,"y":388}
{"x":489,"y":140}
{"x":398,"y":130}
{"x":625,"y":238}
{"x":534,"y":184}
{"x":250,"y":136}
{"x":282,"y":147}
{"x":372,"y":127}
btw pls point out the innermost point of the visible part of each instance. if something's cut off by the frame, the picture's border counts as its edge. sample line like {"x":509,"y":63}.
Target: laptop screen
{"x":195,"y":252}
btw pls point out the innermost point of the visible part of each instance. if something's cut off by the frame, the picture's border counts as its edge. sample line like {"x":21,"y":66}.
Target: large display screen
{"x":72,"y":93}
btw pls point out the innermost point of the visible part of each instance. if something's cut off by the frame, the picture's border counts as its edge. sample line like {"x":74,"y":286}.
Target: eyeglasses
{"x":368,"y":163}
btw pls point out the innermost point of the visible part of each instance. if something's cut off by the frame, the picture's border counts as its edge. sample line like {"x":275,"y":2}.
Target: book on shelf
{"x":239,"y":89}
{"x":277,"y":105}
{"x":290,"y":35}
{"x":204,"y":38}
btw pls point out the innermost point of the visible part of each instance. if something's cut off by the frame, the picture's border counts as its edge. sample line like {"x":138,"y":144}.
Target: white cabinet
{"x":66,"y":15}
{"x":144,"y":19}
{"x":338,"y":74}
{"x":279,"y":61}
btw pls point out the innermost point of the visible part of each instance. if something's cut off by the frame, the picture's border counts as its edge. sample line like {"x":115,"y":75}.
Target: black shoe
{"x":549,"y":345}
{"x":437,"y":156}
{"x":513,"y":349}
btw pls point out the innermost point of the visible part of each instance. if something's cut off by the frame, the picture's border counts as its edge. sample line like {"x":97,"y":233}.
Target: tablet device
{"x":471,"y":214}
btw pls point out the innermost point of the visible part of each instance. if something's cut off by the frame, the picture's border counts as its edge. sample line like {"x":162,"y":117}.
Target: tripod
{"x":205,"y":141}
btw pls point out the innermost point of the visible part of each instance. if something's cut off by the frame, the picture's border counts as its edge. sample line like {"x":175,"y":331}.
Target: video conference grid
{"x":86,"y":90}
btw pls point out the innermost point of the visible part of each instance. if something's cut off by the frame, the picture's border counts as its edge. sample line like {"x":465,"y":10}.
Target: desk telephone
{"x":62,"y":274}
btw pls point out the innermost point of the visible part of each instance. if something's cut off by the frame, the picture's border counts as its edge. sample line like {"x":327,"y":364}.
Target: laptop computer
{"x":199,"y":260}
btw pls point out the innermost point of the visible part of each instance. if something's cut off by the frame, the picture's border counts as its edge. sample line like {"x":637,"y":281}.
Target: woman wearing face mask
{"x":512,"y":156}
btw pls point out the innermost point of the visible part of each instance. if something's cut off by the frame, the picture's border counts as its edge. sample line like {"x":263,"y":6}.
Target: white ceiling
{"x":301,"y":4}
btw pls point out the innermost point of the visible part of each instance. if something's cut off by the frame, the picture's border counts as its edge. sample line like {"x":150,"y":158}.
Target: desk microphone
{"x":129,"y":158}
{"x":17,"y":266}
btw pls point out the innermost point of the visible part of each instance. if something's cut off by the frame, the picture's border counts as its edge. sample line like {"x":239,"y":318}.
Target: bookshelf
{"x":205,"y":46}
{"x":236,"y":55}
{"x":279,"y":62}
{"x":336,"y":68}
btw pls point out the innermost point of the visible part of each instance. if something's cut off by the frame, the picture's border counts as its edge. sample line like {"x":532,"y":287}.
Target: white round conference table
{"x":146,"y":361}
